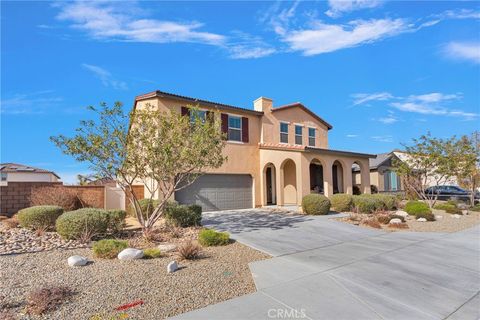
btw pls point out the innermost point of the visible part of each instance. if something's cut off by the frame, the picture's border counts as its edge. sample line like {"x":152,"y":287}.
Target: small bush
{"x":415,"y":207}
{"x":365,"y":204}
{"x":445,"y":206}
{"x":39,"y":217}
{"x":402,"y":225}
{"x":373,"y":189}
{"x":188,"y":251}
{"x":356,"y":190}
{"x":383,"y":218}
{"x":316,"y":204}
{"x":388,"y":201}
{"x":83,"y":223}
{"x":147,"y":206}
{"x":47,"y":299}
{"x":109,"y":248}
{"x":11,"y":223}
{"x":372,"y":222}
{"x":475,"y":208}
{"x":183,"y":216}
{"x":209,"y":237}
{"x":427,"y":215}
{"x":151,"y":253}
{"x":454,"y":210}
{"x":342,"y":202}
{"x":116,"y":220}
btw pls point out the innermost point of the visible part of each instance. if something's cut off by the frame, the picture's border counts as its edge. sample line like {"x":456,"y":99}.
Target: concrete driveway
{"x":324,"y":269}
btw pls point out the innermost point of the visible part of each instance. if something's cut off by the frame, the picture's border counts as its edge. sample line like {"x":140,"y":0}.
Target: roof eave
{"x":340,"y":152}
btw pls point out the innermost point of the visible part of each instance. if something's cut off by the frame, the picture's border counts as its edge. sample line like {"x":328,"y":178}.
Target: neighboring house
{"x":382,"y":175}
{"x":276,"y":155}
{"x":14,"y":172}
{"x":17,"y":183}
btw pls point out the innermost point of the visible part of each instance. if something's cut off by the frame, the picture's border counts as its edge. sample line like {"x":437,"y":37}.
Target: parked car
{"x":450,"y":193}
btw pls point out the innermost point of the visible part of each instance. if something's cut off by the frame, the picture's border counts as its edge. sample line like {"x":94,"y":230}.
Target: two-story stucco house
{"x":276,"y":155}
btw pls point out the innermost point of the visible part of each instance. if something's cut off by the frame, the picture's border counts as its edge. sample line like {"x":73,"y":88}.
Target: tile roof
{"x":218,"y":105}
{"x":15,"y":167}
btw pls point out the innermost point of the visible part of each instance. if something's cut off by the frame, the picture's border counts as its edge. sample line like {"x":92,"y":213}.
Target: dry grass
{"x":188,"y":251}
{"x":47,"y":299}
{"x":402,"y":225}
{"x":372,"y":222}
{"x":10,"y":223}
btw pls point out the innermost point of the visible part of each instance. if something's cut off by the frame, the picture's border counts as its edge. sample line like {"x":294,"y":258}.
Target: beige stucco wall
{"x":31,"y":177}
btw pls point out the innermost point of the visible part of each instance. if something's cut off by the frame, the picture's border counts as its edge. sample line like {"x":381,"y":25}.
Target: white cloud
{"x":247,"y":46}
{"x":388,"y":119}
{"x":124,"y":22}
{"x":339,"y":7}
{"x":323,"y":38}
{"x":30,"y":103}
{"x":363,"y":98}
{"x":385,"y":138}
{"x":106,"y":77}
{"x":352,"y":135}
{"x":434,"y":103}
{"x":469,"y":51}
{"x":458,"y":14}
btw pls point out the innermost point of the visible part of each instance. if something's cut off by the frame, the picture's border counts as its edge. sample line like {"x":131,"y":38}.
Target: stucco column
{"x":303,"y":178}
{"x":263,"y":187}
{"x":328,"y":179}
{"x":365,"y":174}
{"x":279,"y":185}
{"x":348,"y":179}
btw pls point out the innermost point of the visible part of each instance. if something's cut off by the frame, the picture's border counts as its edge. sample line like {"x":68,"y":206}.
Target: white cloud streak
{"x":30,"y":103}
{"x":385,"y":138}
{"x":469,"y":51}
{"x":364,"y":98}
{"x":105,"y":77}
{"x":340,"y":7}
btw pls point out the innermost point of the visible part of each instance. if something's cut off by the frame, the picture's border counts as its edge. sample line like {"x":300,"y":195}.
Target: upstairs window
{"x":284,"y":132}
{"x":311,"y":137}
{"x":201,"y":114}
{"x":234,"y":128}
{"x":298,"y":134}
{"x":3,"y":176}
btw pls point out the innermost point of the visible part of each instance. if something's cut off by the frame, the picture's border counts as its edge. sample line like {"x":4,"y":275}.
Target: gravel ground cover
{"x":445,"y":222}
{"x":222,"y":273}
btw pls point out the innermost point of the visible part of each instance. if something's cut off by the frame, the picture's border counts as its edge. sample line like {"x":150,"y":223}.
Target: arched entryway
{"x":270,"y":184}
{"x":289,"y":185}
{"x":316,"y":177}
{"x":356,"y":178}
{"x":337,"y":177}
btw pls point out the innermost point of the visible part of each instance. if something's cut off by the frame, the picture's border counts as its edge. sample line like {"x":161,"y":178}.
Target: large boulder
{"x":130,"y":254}
{"x":401,"y":213}
{"x":422,"y":220}
{"x":76,"y":261}
{"x":395,"y":221}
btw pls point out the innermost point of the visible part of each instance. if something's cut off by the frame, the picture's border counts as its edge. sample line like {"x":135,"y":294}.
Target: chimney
{"x":263,"y":104}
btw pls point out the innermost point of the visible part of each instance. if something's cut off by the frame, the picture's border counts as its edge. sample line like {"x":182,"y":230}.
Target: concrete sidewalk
{"x":324,"y":269}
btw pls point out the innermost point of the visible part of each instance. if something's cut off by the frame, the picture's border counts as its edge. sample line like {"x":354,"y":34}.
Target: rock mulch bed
{"x":445,"y":222}
{"x":102,"y":286}
{"x":20,"y":240}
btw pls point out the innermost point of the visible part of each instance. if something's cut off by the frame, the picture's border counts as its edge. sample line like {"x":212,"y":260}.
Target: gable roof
{"x":15,"y":167}
{"x":221,"y":106}
{"x":301,"y":106}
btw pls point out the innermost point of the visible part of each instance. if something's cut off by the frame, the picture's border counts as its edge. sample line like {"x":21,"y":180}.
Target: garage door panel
{"x":218,"y":192}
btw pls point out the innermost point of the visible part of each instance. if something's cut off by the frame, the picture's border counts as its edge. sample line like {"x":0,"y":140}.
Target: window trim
{"x":239,"y":129}
{"x":191,"y":114}
{"x":3,"y":176}
{"x":314,"y":136}
{"x":298,"y":135}
{"x":288,"y":124}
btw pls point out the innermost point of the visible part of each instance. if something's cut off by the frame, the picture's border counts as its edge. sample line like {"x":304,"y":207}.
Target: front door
{"x":269,"y":186}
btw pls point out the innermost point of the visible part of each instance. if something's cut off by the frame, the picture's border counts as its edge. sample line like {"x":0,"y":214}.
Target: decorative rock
{"x":456,"y":216}
{"x":172,"y":267}
{"x":462,"y":206}
{"x":130,"y":254}
{"x":438,"y":217}
{"x":168,"y":247}
{"x":401,"y":213}
{"x":395,"y":221}
{"x":465,"y":212}
{"x":422,"y":220}
{"x":76,"y":261}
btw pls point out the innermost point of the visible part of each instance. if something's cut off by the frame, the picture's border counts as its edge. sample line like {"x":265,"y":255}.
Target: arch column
{"x":328,"y":179}
{"x":348,"y":179}
{"x":279,"y":185}
{"x":365,"y":174}
{"x":303,"y":179}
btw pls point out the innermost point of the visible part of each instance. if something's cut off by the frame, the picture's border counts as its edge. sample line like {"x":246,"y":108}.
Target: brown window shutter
{"x":224,"y":123}
{"x":210,"y":116}
{"x":244,"y":129}
{"x":185,"y":111}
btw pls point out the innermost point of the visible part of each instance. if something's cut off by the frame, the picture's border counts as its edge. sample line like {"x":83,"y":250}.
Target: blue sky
{"x":379,"y":72}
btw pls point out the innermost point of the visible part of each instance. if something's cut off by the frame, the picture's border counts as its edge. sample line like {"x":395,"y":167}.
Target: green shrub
{"x":366,"y":204}
{"x":183,"y":216}
{"x":388,"y":201}
{"x":475,"y":208}
{"x":147,"y":206}
{"x":443,"y":206}
{"x":83,"y":223}
{"x":109,"y":248}
{"x":414,"y":207}
{"x":209,"y":237}
{"x":116,"y":220}
{"x":342,"y":202}
{"x":39,"y":217}
{"x":151,"y":253}
{"x":427,"y":215}
{"x":383,"y":218}
{"x":315,"y":204}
